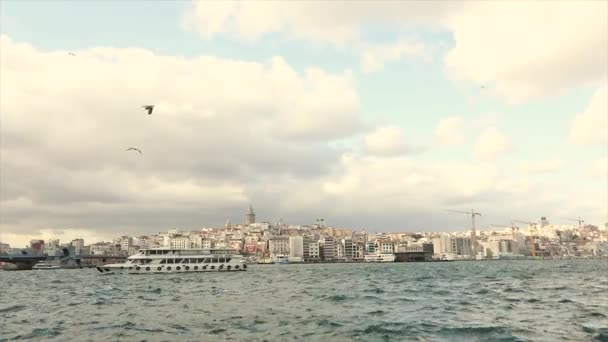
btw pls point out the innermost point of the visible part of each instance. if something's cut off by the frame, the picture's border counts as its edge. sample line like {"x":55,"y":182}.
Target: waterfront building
{"x":101,"y":248}
{"x":385,"y":247}
{"x":296,"y":248}
{"x":371,"y":247}
{"x":306,"y":248}
{"x":78,"y":245}
{"x":278,"y":245}
{"x":125,"y":243}
{"x":442,"y":244}
{"x":350,"y":249}
{"x":314,"y":251}
{"x":180,"y":242}
{"x":462,"y":246}
{"x":329,"y":248}
{"x":360,"y":250}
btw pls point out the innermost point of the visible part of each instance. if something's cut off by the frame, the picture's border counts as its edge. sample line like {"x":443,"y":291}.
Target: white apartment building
{"x":78,"y":245}
{"x":296,"y":248}
{"x":278,"y":245}
{"x":125,"y":243}
{"x":313,"y":251}
{"x":385,"y":247}
{"x":101,"y":248}
{"x":181,"y":242}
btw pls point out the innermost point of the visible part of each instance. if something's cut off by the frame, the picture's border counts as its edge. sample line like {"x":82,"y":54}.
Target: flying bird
{"x":71,"y":54}
{"x":149,"y":108}
{"x":134,"y":149}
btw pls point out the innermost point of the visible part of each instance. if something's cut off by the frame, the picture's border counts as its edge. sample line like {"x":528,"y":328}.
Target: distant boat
{"x":379,"y":258}
{"x":281,"y":259}
{"x":56,"y":264}
{"x":47,"y":265}
{"x":264,"y":261}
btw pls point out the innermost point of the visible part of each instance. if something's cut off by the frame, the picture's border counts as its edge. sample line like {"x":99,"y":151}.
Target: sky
{"x":372,"y":115}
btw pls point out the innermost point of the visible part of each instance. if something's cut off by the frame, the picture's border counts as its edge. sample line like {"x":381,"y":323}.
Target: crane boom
{"x":472,"y":213}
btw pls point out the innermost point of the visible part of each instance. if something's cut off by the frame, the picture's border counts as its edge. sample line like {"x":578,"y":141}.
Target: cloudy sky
{"x":372,"y":115}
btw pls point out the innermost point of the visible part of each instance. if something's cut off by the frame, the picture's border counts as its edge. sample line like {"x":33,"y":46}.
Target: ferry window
{"x":193,"y":261}
{"x":148,"y":261}
{"x":165,"y":252}
{"x":186,"y":261}
{"x":177,"y":261}
{"x":169,"y":261}
{"x":228,"y":259}
{"x":164,"y":261}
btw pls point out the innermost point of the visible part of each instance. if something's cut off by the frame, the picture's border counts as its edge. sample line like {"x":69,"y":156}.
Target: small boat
{"x":56,"y":264}
{"x":47,"y":265}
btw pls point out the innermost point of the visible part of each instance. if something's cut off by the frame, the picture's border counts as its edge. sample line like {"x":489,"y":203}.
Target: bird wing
{"x":134,"y":149}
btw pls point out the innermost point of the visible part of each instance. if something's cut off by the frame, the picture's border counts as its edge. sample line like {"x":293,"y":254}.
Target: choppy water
{"x":458,"y":301}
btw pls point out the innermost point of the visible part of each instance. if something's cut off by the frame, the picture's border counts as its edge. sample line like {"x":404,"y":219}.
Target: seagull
{"x":71,"y":54}
{"x":134,"y":149}
{"x":149,"y":108}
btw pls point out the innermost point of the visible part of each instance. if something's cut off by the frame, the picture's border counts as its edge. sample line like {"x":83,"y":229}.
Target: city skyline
{"x":354,"y":117}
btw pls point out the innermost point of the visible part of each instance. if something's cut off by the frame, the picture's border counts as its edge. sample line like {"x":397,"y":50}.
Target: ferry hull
{"x":152,"y":269}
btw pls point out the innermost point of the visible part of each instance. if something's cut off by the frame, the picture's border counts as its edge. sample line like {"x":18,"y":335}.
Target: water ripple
{"x":459,"y":301}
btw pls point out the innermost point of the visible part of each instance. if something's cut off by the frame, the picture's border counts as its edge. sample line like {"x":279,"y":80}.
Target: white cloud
{"x":553,"y":46}
{"x":450,"y":131}
{"x":330,"y":22}
{"x":527,"y":50}
{"x":224,"y":133}
{"x":541,"y":166}
{"x":490,"y":144}
{"x":387,"y":141}
{"x":591,"y":125}
{"x":599,"y":168}
{"x":326,"y":22}
{"x":375,"y":57}
{"x":220,"y":128}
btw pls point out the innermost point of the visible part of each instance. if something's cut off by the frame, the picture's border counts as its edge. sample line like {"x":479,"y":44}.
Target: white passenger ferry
{"x":379,"y":257}
{"x":167,"y":260}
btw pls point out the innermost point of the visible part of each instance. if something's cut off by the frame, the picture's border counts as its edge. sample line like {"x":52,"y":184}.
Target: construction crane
{"x":581,"y":239}
{"x":531,"y":237}
{"x":473,"y":231}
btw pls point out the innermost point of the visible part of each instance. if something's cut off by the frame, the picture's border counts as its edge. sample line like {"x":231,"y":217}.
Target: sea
{"x":528,"y":300}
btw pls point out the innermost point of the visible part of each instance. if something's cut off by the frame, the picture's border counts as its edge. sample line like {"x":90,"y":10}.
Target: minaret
{"x":250,"y":216}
